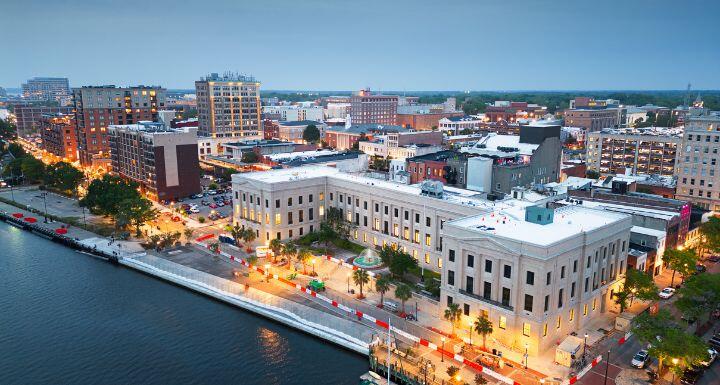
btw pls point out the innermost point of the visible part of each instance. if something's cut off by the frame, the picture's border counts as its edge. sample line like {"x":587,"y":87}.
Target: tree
{"x":136,"y":211}
{"x":637,"y":284}
{"x":480,"y":380}
{"x":250,"y":157}
{"x":401,"y":262}
{"x":452,"y":314}
{"x":710,"y":231}
{"x":237,"y":233}
{"x":361,"y":278}
{"x":452,"y":372}
{"x":682,"y":261}
{"x":63,"y":176}
{"x":188,"y":233}
{"x":248,"y":235}
{"x":382,"y":285}
{"x":403,"y":293}
{"x":700,"y":296}
{"x":483,"y":327}
{"x":303,"y":256}
{"x":32,"y":169}
{"x":104,"y":195}
{"x":289,"y":250}
{"x":592,"y":174}
{"x":666,"y":339}
{"x":276,"y":247}
{"x":311,"y":134}
{"x":326,"y":233}
{"x":339,"y":225}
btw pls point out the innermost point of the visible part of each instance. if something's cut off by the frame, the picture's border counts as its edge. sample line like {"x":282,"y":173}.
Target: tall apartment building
{"x":538,"y":274}
{"x":163,"y":161}
{"x":367,"y":108}
{"x":43,"y":88}
{"x":29,"y":116}
{"x":697,"y":166}
{"x":651,"y":151}
{"x":229,"y":106}
{"x":97,"y":107}
{"x":57,"y":133}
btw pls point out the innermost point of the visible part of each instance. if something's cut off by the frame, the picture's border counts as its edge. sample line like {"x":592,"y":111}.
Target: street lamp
{"x":267,"y":272}
{"x":312,"y":262}
{"x":442,"y":353}
{"x":470,"y":325}
{"x":585,"y":346}
{"x":526,"y":354}
{"x":44,"y":196}
{"x":348,"y":282}
{"x":675,"y":362}
{"x":542,"y":381}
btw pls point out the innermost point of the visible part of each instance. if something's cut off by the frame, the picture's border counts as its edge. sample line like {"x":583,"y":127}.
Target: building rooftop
{"x":501,"y":145}
{"x":647,"y":231}
{"x":300,"y":123}
{"x":510,"y":223}
{"x":622,"y":208}
{"x":363,"y":128}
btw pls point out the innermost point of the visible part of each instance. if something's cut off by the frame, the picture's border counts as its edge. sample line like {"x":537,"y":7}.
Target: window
{"x":310,"y":213}
{"x":331,"y":196}
{"x":575,"y":266}
{"x":439,"y":263}
{"x":528,"y":302}
{"x":278,"y":218}
{"x":321,"y":196}
{"x":587,"y":283}
{"x":560,"y":298}
{"x":562,"y":272}
{"x":548,"y":278}
{"x":506,"y":296}
{"x":544,"y":330}
{"x":530,"y":278}
{"x":572,"y":314}
{"x":572,"y":290}
{"x":427,"y":258}
{"x":466,"y":309}
{"x":488,"y":266}
{"x":469,"y":285}
{"x":546,"y":307}
{"x":502,"y":324}
{"x":290,"y":201}
{"x":416,"y":238}
{"x":386,"y":210}
{"x":449,"y":300}
{"x":451,"y":255}
{"x":470,"y":260}
{"x":451,"y":278}
{"x":427,"y":221}
{"x":417,"y":218}
{"x":395,"y":212}
{"x":277,"y":203}
{"x":300,"y":216}
{"x":300,"y":200}
{"x":310,"y":198}
{"x":290,"y":218}
{"x":507,"y":271}
{"x":321,"y":210}
{"x":487,"y":290}
{"x":406,"y":215}
{"x":594,"y":304}
{"x":526,"y":329}
{"x":428,"y":240}
{"x":559,"y":320}
{"x":585,"y":309}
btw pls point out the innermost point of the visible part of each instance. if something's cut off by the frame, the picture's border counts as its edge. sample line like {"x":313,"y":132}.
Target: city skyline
{"x":346,"y":46}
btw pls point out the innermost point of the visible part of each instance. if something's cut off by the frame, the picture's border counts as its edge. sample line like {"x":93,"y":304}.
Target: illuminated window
{"x":503,"y":322}
{"x":428,"y":240}
{"x":526,"y":329}
{"x":427,"y":258}
{"x":375,"y":241}
{"x":278,"y":218}
{"x":356,"y":234}
{"x":384,"y":243}
{"x":558,"y":322}
{"x":572,"y":314}
{"x":252,"y":214}
{"x":396,"y":230}
{"x":321,"y":196}
{"x":439,"y":263}
{"x":415,"y":254}
{"x":544,"y":330}
{"x":594,"y":304}
{"x":365,"y":237}
{"x":321,"y":210}
{"x":376,"y":225}
{"x":245,"y":212}
{"x":406,"y":233}
{"x":585,"y":309}
{"x":349,"y":216}
{"x":416,"y":239}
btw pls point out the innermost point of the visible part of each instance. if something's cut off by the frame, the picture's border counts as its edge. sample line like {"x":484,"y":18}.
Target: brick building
{"x":29,"y":116}
{"x":58,"y":136}
{"x":367,"y":108}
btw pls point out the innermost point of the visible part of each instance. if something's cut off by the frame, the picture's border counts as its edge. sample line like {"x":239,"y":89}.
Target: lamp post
{"x":585,"y":346}
{"x":267,"y":272}
{"x":607,"y":366}
{"x":312,"y":262}
{"x":44,"y":196}
{"x":470,"y":325}
{"x":526,"y":354}
{"x":675,"y":362}
{"x":348,"y":282}
{"x":442,"y":353}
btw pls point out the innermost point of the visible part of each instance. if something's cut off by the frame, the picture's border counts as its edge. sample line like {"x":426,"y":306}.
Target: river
{"x":68,"y":318}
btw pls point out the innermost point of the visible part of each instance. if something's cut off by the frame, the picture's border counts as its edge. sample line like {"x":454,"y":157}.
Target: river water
{"x":67,"y":318}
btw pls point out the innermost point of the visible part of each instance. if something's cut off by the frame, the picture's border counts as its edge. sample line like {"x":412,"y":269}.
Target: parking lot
{"x":213,"y":207}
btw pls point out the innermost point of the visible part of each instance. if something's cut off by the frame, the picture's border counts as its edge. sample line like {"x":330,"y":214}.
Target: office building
{"x":346,"y":137}
{"x":294,"y":113}
{"x":229,"y":106}
{"x":697,"y":165}
{"x":292,"y":131}
{"x":369,"y":108}
{"x":57,"y":133}
{"x":47,"y":89}
{"x":513,"y":111}
{"x":163,"y":161}
{"x":592,"y":119}
{"x":633,"y":151}
{"x":97,"y":107}
{"x":454,"y":125}
{"x":28,"y":117}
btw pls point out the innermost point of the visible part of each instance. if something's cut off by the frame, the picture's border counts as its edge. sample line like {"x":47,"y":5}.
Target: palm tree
{"x":403,"y":293}
{"x":303,"y":256}
{"x":248,"y":236}
{"x":188,"y":232}
{"x":382,"y":285}
{"x":452,"y":314}
{"x":276,"y":247}
{"x":236,"y":232}
{"x":361,"y":277}
{"x":483,"y":326}
{"x":289,"y":249}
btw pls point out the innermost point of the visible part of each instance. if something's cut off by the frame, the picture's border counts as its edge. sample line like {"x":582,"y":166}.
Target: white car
{"x":666,"y":293}
{"x":640,"y":359}
{"x":713,"y":355}
{"x":194,"y":210}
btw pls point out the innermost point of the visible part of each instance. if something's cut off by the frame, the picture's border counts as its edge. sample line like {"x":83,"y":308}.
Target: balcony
{"x":488,"y":301}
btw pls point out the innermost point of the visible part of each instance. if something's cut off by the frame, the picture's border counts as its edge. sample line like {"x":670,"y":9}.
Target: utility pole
{"x":607,"y":366}
{"x":44,"y":195}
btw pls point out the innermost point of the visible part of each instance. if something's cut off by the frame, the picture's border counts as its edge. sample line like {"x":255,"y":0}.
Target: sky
{"x":382,"y":44}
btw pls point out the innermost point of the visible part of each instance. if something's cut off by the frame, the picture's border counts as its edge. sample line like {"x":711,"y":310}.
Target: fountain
{"x":368,"y":259}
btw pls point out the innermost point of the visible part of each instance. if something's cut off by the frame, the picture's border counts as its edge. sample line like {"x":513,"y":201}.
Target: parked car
{"x":316,"y":285}
{"x":640,"y":359}
{"x":690,"y":376}
{"x":212,"y":192}
{"x":700,"y":268}
{"x":666,"y":293}
{"x":204,"y":203}
{"x":220,"y":204}
{"x":196,"y":196}
{"x":390,"y":305}
{"x":213,"y":206}
{"x":714,"y":258}
{"x":712,"y":355}
{"x":194,"y":210}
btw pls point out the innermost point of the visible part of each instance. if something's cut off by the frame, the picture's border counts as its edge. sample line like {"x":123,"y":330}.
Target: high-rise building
{"x":57,"y":89}
{"x":368,"y":108}
{"x":697,"y":167}
{"x":229,"y":106}
{"x":642,"y":151}
{"x":97,"y":107}
{"x":28,"y":116}
{"x":58,"y":136}
{"x":163,"y":161}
